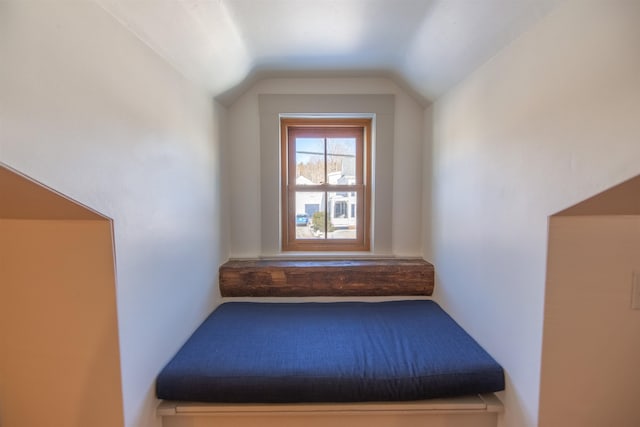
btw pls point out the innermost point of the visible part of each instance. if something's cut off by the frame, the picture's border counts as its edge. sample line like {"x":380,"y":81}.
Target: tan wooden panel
{"x":59,"y":351}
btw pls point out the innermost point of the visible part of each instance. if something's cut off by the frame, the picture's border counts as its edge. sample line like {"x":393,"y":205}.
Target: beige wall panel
{"x":59,"y":357}
{"x":623,"y":199}
{"x":591,"y":344}
{"x":23,"y":198}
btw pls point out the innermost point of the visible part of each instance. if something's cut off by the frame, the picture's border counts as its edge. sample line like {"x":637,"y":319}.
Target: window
{"x":340,"y":209}
{"x":326,"y":170}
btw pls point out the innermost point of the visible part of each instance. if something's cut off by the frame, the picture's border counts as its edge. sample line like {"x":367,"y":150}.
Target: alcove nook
{"x":59,"y":352}
{"x":591,"y":339}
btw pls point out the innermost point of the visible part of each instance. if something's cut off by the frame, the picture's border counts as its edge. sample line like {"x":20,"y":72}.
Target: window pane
{"x":310,"y":218}
{"x":342,"y":215}
{"x":309,"y":161}
{"x":341,"y":160}
{"x":325,"y":183}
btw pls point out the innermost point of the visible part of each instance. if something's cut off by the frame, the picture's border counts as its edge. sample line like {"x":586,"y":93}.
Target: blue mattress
{"x":328,"y":352}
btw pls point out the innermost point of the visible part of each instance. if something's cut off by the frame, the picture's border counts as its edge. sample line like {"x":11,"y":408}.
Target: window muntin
{"x":326,"y":168}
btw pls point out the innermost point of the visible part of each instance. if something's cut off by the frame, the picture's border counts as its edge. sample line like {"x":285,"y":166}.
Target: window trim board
{"x":379,"y":107}
{"x":363,"y":186}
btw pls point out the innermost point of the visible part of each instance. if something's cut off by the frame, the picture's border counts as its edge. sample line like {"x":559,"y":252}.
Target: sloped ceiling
{"x":429,"y":44}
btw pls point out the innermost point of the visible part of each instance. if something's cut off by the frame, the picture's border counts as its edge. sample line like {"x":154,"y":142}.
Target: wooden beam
{"x":287,"y":278}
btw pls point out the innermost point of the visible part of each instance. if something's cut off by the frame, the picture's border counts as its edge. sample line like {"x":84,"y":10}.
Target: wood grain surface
{"x":287,"y":278}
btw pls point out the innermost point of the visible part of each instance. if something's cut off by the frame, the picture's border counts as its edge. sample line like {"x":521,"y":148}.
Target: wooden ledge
{"x":462,"y":404}
{"x":293,"y":278}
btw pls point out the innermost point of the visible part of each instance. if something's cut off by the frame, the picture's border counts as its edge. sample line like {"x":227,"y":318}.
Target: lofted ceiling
{"x":428,"y":44}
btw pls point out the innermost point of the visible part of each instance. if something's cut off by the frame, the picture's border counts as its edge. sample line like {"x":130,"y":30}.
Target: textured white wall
{"x":244,"y":160}
{"x":548,"y":122}
{"x":92,"y":112}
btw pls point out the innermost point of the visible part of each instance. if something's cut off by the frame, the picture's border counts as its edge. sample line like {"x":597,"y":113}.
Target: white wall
{"x":546,"y":123}
{"x":244,"y":160}
{"x":90,"y":111}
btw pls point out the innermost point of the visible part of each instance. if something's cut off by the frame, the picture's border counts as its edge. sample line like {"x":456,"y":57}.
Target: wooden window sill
{"x":303,"y":278}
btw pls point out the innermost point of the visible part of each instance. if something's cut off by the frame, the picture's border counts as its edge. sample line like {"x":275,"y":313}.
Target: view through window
{"x":326,"y":185}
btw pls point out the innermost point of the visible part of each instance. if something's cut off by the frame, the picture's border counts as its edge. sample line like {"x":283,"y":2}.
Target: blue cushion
{"x":328,"y":352}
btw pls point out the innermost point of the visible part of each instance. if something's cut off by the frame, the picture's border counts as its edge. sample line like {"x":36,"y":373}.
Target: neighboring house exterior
{"x":341,"y":206}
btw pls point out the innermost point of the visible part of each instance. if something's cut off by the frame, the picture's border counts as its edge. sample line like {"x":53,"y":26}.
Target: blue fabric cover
{"x":328,"y":352}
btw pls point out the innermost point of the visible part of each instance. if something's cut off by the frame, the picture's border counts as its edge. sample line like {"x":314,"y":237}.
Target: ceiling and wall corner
{"x":429,"y":45}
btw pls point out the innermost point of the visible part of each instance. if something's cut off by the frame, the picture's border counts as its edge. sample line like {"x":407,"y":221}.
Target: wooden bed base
{"x":468,"y":411}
